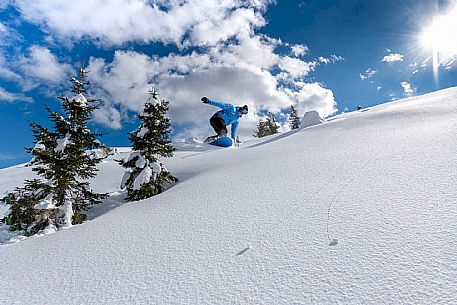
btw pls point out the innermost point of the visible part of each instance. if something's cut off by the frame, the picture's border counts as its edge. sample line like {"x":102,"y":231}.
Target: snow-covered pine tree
{"x":272,"y":124}
{"x":262,"y":130}
{"x":294,"y":119}
{"x":145,"y":175}
{"x":267,"y":126}
{"x":64,"y":161}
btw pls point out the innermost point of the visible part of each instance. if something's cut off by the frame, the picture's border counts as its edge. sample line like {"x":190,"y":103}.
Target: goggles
{"x":244,"y":109}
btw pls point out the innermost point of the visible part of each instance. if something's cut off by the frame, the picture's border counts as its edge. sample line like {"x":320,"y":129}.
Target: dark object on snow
{"x":358,"y":107}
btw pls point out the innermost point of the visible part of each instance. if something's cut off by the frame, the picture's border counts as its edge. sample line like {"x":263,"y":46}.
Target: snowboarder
{"x":229,"y":115}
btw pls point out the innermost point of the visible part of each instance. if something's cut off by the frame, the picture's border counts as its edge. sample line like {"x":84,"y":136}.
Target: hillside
{"x":357,"y":210}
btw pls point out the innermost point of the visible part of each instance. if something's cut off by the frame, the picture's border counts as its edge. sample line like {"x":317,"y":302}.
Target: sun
{"x":441,"y":35}
{"x":441,"y":39}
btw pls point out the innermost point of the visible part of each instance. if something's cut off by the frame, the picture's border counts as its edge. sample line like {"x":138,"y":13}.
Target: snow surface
{"x":359,"y":210}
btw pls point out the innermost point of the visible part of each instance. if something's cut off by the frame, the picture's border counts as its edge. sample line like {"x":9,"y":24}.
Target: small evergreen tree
{"x":145,"y":175}
{"x":294,"y":119}
{"x":267,"y":126}
{"x":63,"y":160}
{"x":262,"y":130}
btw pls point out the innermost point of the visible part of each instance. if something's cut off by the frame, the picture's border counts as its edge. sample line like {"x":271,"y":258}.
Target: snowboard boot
{"x":211,"y":139}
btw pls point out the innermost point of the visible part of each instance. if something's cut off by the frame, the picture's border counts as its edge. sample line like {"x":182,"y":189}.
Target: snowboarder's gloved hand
{"x":205,"y":100}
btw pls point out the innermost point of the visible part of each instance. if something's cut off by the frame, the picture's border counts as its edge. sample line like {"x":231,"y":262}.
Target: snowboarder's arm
{"x":220,"y":105}
{"x":234,"y":128}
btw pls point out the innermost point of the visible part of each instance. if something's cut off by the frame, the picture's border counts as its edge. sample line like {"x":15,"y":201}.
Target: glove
{"x":205,"y":100}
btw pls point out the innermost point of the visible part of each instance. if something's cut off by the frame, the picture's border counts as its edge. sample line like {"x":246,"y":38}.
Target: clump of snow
{"x":67,"y":211}
{"x":149,"y":171}
{"x":80,"y":99}
{"x":156,"y":168}
{"x":143,"y":130}
{"x":143,"y":178}
{"x":62,"y":143}
{"x":141,"y":162}
{"x":51,"y":228}
{"x":125,"y":178}
{"x":311,"y":118}
{"x":39,"y":146}
{"x":101,"y":153}
{"x":133,"y":155}
{"x":46,"y":204}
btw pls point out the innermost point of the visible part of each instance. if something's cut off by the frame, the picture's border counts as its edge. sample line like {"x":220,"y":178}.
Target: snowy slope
{"x":358,"y":210}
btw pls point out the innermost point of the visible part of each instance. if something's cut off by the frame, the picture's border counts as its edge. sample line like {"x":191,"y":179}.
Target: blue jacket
{"x":229,"y":113}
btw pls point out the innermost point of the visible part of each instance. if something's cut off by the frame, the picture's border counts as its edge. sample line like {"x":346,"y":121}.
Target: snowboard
{"x":222,"y":142}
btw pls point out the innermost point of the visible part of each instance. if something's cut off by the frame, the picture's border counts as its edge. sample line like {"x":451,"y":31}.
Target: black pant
{"x":218,"y":123}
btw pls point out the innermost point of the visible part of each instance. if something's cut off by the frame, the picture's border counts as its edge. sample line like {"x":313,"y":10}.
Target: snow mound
{"x":311,"y":118}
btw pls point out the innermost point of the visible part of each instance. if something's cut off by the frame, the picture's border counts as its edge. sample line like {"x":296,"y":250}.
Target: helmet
{"x":243,"y":109}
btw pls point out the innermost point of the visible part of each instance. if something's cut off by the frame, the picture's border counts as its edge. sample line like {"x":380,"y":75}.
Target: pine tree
{"x":294,"y":119}
{"x":64,"y":161}
{"x":267,"y":126}
{"x":145,"y":175}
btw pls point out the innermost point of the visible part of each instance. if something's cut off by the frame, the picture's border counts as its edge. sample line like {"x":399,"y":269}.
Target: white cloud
{"x":299,"y":50}
{"x":407,"y":88}
{"x":295,"y":67}
{"x":184,"y":79}
{"x":312,"y":96}
{"x":5,"y":72}
{"x":393,"y":57}
{"x":41,"y":64}
{"x":213,"y":30}
{"x":4,"y":4}
{"x":203,"y":22}
{"x":9,"y":97}
{"x":330,"y":60}
{"x":367,"y":74}
{"x":8,"y":36}
{"x":231,"y":62}
{"x":108,"y":116}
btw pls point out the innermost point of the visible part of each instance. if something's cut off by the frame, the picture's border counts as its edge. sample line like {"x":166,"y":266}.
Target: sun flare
{"x":441,"y":35}
{"x":441,"y":39}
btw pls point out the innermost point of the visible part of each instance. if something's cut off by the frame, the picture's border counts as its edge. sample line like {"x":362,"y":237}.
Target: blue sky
{"x":327,"y":56}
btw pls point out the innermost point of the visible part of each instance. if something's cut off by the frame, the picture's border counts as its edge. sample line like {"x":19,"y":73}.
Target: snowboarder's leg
{"x":218,"y":123}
